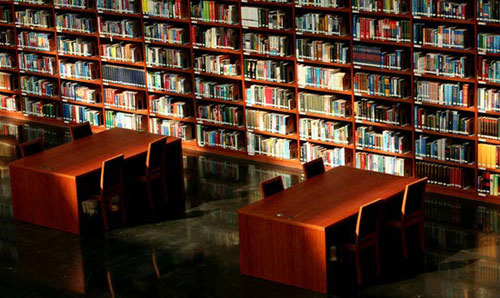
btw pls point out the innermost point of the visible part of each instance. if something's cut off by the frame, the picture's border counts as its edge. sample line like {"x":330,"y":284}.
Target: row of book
{"x":124,"y":99}
{"x":76,"y":46}
{"x":320,"y":77}
{"x":381,"y":85}
{"x":380,"y":163}
{"x":221,"y":138}
{"x":172,"y":9}
{"x":264,"y":17}
{"x":386,"y":6}
{"x":387,"y":140}
{"x":442,"y":36}
{"x":373,"y":111}
{"x":441,"y":9}
{"x":164,"y":57}
{"x":488,"y":70}
{"x":488,"y":183}
{"x":324,"y":130}
{"x":211,"y":11}
{"x":271,"y":146}
{"x":444,"y":149}
{"x":449,"y":94}
{"x":317,"y":23}
{"x":445,"y":121}
{"x":217,"y":64}
{"x":328,"y":105}
{"x":266,"y":44}
{"x":216,"y":37}
{"x":488,"y":156}
{"x":488,"y":99}
{"x":275,"y":97}
{"x":441,"y":64}
{"x":75,"y":23}
{"x":34,"y":41}
{"x":332,"y":157}
{"x":443,"y":175}
{"x":168,"y":106}
{"x":210,"y":89}
{"x":371,"y":56}
{"x":76,"y":113}
{"x":221,"y":114}
{"x":123,"y":120}
{"x":171,"y":128}
{"x":269,"y":70}
{"x":381,"y":29}
{"x":320,"y":50}
{"x":270,"y":122}
{"x":488,"y":127}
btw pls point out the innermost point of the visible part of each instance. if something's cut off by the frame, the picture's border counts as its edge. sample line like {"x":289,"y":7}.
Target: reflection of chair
{"x":271,"y":186}
{"x":409,"y":213}
{"x":155,"y":169}
{"x":80,"y":130}
{"x":31,"y":147}
{"x":111,"y":186}
{"x":366,"y":235}
{"x":313,"y":168}
{"x":155,"y":264}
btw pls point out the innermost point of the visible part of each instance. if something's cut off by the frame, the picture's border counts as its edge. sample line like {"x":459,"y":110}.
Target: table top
{"x":329,"y":198}
{"x":87,"y":154}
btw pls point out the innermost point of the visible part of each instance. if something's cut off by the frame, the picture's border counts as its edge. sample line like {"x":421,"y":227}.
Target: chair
{"x":271,"y":186}
{"x":366,"y":235}
{"x":410,"y":212}
{"x":80,"y":130}
{"x":313,"y":168}
{"x":31,"y":147}
{"x":155,"y":169}
{"x":111,"y":185}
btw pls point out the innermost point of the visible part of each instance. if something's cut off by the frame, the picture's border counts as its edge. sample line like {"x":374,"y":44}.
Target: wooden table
{"x":46,"y":187}
{"x":284,"y":238}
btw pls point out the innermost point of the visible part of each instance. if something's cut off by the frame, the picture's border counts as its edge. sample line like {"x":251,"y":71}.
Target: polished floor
{"x":198,"y":256}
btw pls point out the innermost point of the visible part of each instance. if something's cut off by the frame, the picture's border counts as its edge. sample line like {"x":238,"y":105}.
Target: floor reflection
{"x":198,"y":256}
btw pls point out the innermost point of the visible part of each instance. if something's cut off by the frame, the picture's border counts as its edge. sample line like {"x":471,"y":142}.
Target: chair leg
{"x":110,"y":284}
{"x":403,"y":244}
{"x":377,"y":259}
{"x":357,"y":256}
{"x":164,"y":188}
{"x":155,"y":265}
{"x":104,"y":214}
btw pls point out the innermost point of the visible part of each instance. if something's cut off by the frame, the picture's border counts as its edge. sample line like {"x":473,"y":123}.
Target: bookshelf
{"x":240,"y":78}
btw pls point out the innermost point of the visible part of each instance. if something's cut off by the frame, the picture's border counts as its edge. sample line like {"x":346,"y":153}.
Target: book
{"x":211,"y":11}
{"x":373,"y":111}
{"x":226,"y":65}
{"x":271,"y":146}
{"x":169,"y":106}
{"x":381,"y":85}
{"x":384,"y":140}
{"x":220,"y":114}
{"x":123,"y":120}
{"x":450,"y":94}
{"x":80,"y":114}
{"x":123,"y":75}
{"x":380,"y":163}
{"x":221,"y":138}
{"x":38,"y":86}
{"x":275,"y":97}
{"x":168,"y":82}
{"x":268,"y":70}
{"x":270,"y":122}
{"x":321,"y":77}
{"x":326,"y":131}
{"x":171,"y":128}
{"x":443,"y":175}
{"x":216,"y":90}
{"x":79,"y":92}
{"x":173,"y":9}
{"x":439,"y":64}
{"x":378,"y":57}
{"x":329,"y":105}
{"x":445,"y":149}
{"x":332,"y":157}
{"x":445,"y":121}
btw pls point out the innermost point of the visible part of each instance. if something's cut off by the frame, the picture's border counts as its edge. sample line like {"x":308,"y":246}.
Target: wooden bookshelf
{"x":292,"y":8}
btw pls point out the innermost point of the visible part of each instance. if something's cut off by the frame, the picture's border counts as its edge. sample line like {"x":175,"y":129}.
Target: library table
{"x":47,"y":186}
{"x":285,"y":237}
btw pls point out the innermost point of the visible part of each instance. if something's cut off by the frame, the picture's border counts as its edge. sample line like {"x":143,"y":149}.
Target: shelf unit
{"x":293,"y":9}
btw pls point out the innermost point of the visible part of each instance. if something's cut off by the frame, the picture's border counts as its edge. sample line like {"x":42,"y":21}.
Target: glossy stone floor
{"x":198,"y":256}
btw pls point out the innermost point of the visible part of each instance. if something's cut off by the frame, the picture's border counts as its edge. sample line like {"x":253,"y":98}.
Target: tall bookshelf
{"x":231,"y":109}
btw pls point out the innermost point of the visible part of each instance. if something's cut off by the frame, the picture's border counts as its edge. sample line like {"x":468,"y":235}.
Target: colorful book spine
{"x":325,"y":131}
{"x":163,"y":32}
{"x":216,"y":37}
{"x":329,"y":105}
{"x":216,"y":90}
{"x":78,"y":4}
{"x":40,"y":108}
{"x":221,"y":138}
{"x":37,"y":63}
{"x":124,"y":99}
{"x":271,"y":146}
{"x":442,"y":36}
{"x":450,"y":94}
{"x":268,"y":70}
{"x":76,"y":46}
{"x":381,"y":85}
{"x":76,"y":113}
{"x":317,"y":3}
{"x":123,"y":120}
{"x":439,"y":64}
{"x":276,"y":97}
{"x":38,"y":86}
{"x":386,"y":140}
{"x":381,"y":29}
{"x":320,"y":50}
{"x":83,"y":70}
{"x":169,"y":106}
{"x":371,"y":110}
{"x":443,"y":175}
{"x":120,"y":6}
{"x":264,"y":18}
{"x":440,"y":9}
{"x":317,"y":23}
{"x":265,"y":44}
{"x":385,"y":6}
{"x":488,"y":11}
{"x":163,"y":57}
{"x":445,"y":121}
{"x":320,"y":77}
{"x":488,"y":183}
{"x":171,"y":128}
{"x":378,"y":57}
{"x":7,"y":37}
{"x":444,"y":149}
{"x":34,"y":41}
{"x":332,"y":157}
{"x":380,"y":163}
{"x":7,"y":60}
{"x":488,"y":127}
{"x":211,"y":11}
{"x":173,"y":9}
{"x":78,"y":92}
{"x":220,"y":114}
{"x":8,"y":103}
{"x":34,"y":18}
{"x":217,"y":64}
{"x":488,"y":156}
{"x":168,"y":82}
{"x":270,"y":122}
{"x":75,"y":23}
{"x":119,"y":28}
{"x":125,"y":52}
{"x":6,"y":81}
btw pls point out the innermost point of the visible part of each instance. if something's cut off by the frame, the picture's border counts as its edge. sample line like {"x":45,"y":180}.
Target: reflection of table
{"x":46,"y":186}
{"x":284,"y":238}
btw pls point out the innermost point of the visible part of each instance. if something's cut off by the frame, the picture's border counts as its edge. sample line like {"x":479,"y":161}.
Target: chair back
{"x":31,"y":147}
{"x":368,"y":219}
{"x":271,"y":186}
{"x":413,"y":200}
{"x":80,"y":130}
{"x":112,"y":172}
{"x":156,"y":154}
{"x":313,"y":168}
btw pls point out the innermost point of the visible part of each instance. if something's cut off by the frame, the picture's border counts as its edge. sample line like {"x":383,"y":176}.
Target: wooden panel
{"x":44,"y":199}
{"x":283,"y":253}
{"x":326,"y":199}
{"x":174,"y":168}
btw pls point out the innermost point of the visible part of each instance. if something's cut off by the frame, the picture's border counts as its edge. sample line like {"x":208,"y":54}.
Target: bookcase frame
{"x":243,"y":82}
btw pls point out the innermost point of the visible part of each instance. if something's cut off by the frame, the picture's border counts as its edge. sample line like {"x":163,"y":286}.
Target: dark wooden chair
{"x":271,"y":186}
{"x":31,"y":147}
{"x":111,"y":185}
{"x":313,"y":168}
{"x":80,"y":130}
{"x":366,"y":235}
{"x":155,"y":169}
{"x":402,"y":214}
